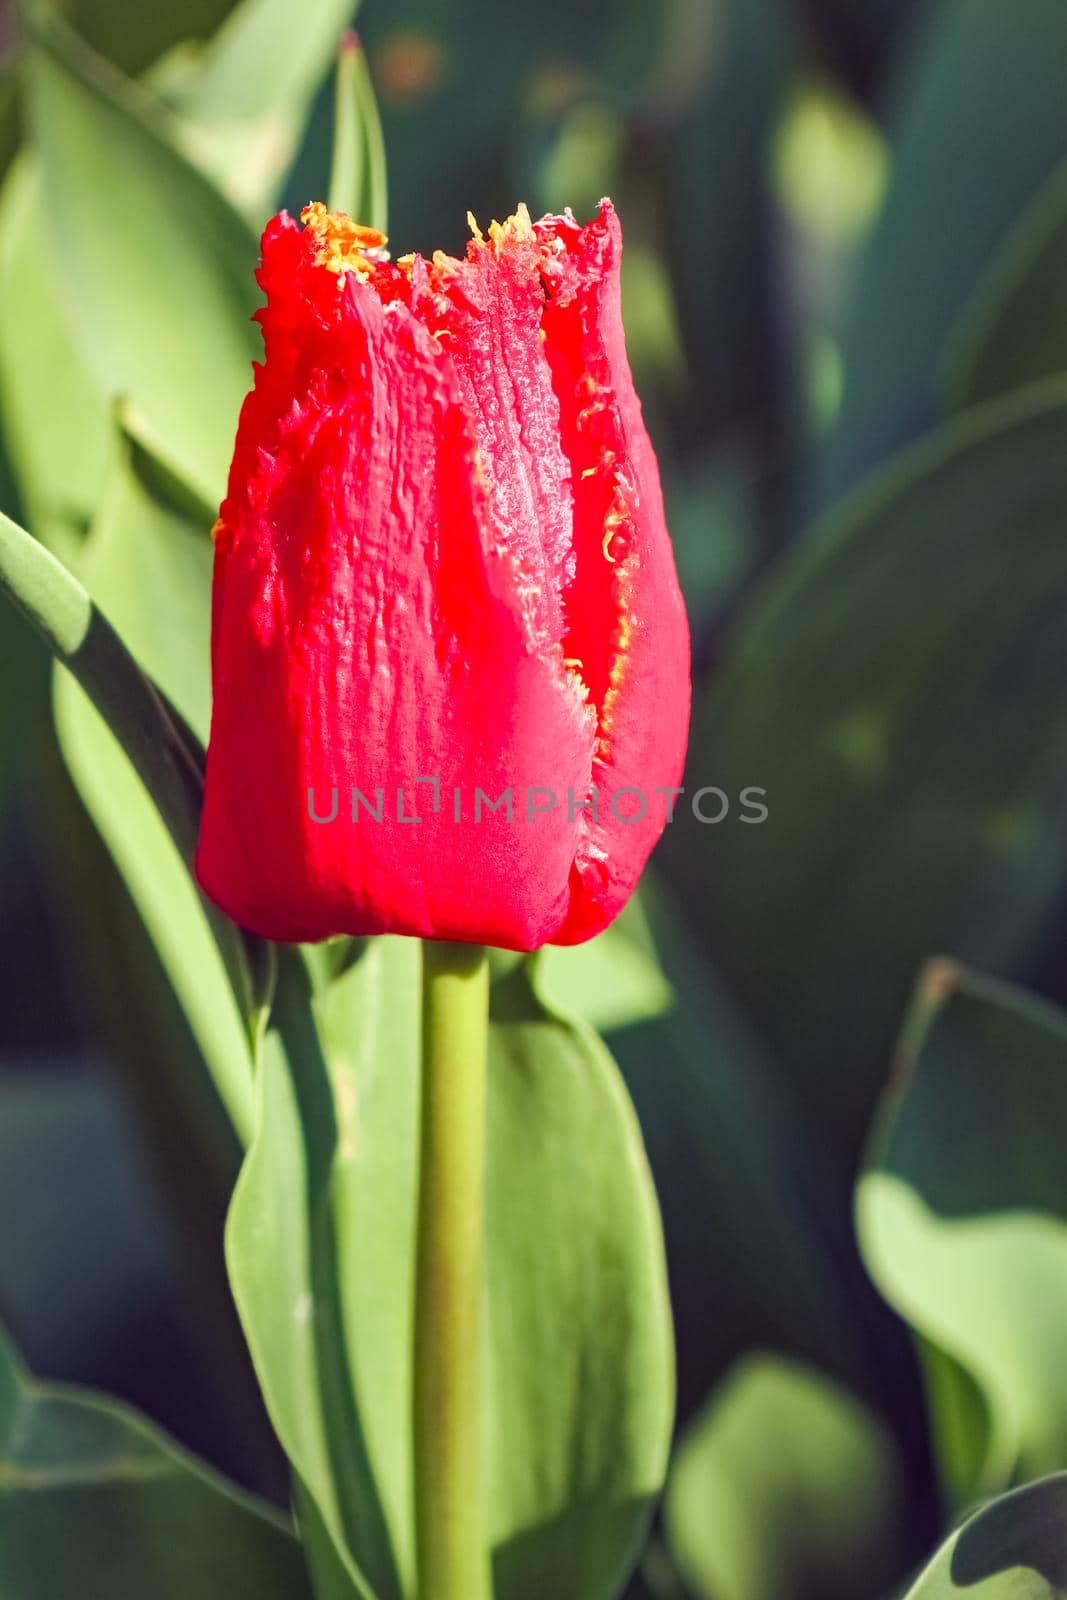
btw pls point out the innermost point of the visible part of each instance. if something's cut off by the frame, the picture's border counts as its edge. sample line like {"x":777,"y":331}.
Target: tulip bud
{"x":441,"y":568}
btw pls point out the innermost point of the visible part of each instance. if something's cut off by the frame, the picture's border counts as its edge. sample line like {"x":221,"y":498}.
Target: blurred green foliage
{"x":844,"y":293}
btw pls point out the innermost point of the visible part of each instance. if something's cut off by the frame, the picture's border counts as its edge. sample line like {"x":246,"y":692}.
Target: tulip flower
{"x":449,"y":652}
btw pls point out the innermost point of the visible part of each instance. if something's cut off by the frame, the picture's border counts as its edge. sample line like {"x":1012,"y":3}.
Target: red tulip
{"x":442,"y":556}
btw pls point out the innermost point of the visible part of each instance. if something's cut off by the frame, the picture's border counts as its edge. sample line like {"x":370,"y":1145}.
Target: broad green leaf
{"x":56,"y":428}
{"x":319,"y":1246}
{"x":157,"y":840}
{"x":95,"y":1501}
{"x":785,"y":1487}
{"x":899,"y":689}
{"x":1014,"y":329}
{"x":1015,"y":1548}
{"x":149,"y":565}
{"x":164,"y":267}
{"x":358,"y":182}
{"x":245,"y":98}
{"x":978,"y":122}
{"x":612,"y":981}
{"x":962,"y":1209}
{"x":581,"y":1357}
{"x":322,"y":1225}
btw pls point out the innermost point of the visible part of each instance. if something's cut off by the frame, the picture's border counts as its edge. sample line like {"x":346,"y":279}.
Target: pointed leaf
{"x":358,"y":182}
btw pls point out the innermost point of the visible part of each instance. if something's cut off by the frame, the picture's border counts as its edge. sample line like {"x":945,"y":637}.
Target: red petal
{"x":443,"y":555}
{"x":626,"y":617}
{"x":368,"y":631}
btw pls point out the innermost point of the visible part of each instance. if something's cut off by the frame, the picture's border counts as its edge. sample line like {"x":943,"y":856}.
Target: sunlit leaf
{"x":246,"y":97}
{"x":572,"y":1484}
{"x":164,"y":267}
{"x":150,"y":566}
{"x":56,"y":429}
{"x":786,"y":1487}
{"x":963,"y":1206}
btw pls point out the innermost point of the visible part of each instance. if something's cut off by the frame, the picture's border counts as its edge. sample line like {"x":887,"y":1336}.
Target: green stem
{"x":453,"y":1557}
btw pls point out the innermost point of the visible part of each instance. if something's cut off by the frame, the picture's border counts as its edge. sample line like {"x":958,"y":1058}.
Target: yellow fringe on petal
{"x":343,"y":245}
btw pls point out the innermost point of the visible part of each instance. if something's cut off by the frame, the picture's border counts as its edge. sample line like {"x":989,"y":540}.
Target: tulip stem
{"x":453,"y":1561}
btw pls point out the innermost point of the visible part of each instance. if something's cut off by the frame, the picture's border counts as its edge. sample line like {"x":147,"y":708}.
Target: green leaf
{"x":932,"y":607}
{"x":785,"y":1487}
{"x":56,"y":428}
{"x":1013,"y":331}
{"x":962,"y":1209}
{"x":612,"y":981}
{"x":221,"y":982}
{"x":80,"y":637}
{"x":979,"y":122}
{"x":150,"y":566}
{"x":164,"y":267}
{"x":135,"y":36}
{"x":10,"y":131}
{"x":95,"y":1501}
{"x":323,"y":1224}
{"x":1015,"y":1548}
{"x":358,"y":183}
{"x":958,"y":1423}
{"x":319,"y":1247}
{"x":581,"y":1347}
{"x":246,"y":98}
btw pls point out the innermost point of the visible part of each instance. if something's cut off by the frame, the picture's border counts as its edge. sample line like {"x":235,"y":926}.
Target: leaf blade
{"x":93,"y":1497}
{"x":358,"y":180}
{"x":962,"y":1208}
